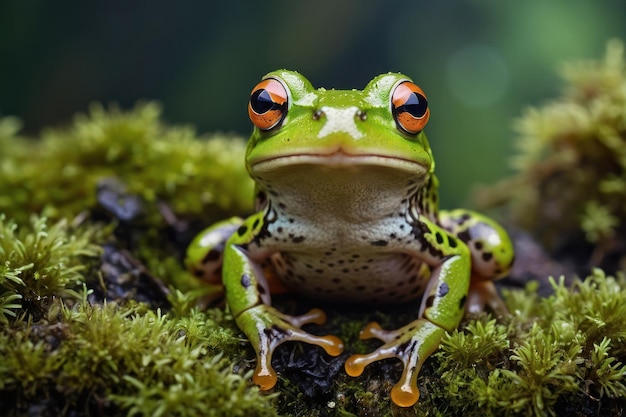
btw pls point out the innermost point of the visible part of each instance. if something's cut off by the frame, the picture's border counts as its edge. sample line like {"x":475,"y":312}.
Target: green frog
{"x":347,"y":211}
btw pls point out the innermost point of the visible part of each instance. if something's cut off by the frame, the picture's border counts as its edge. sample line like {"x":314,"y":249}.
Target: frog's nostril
{"x":318,"y":114}
{"x":362,"y":115}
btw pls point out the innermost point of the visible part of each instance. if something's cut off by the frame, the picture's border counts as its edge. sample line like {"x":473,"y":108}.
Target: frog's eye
{"x":409,"y":107}
{"x":268,"y":104}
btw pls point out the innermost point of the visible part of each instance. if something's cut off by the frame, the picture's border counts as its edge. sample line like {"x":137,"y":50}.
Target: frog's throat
{"x":338,"y":159}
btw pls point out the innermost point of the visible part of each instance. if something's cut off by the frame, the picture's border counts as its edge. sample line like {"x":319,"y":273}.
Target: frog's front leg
{"x":248,"y":296}
{"x":442,"y":309}
{"x":492,"y":255}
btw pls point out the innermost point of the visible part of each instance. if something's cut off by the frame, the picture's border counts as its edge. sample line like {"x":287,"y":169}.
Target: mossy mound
{"x":58,"y":175}
{"x":570,"y":185}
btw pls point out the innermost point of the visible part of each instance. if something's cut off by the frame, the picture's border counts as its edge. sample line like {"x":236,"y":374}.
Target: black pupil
{"x":416,"y":105}
{"x":262,"y":102}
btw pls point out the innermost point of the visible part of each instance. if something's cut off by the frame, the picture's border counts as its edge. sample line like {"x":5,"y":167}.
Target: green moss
{"x":39,"y":262}
{"x":123,"y":360}
{"x":57,"y":176}
{"x":571,"y":159}
{"x":553,"y":356}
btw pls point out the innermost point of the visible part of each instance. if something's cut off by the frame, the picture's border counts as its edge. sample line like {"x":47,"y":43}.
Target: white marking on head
{"x":340,"y":120}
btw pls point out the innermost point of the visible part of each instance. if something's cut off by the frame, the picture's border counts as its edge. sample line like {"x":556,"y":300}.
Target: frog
{"x":346,"y":211}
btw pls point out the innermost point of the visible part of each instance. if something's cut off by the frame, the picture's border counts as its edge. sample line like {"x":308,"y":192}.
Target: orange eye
{"x":268,"y":104}
{"x":409,"y":107}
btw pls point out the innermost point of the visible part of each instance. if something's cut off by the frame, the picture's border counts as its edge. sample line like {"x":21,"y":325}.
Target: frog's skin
{"x":347,"y":211}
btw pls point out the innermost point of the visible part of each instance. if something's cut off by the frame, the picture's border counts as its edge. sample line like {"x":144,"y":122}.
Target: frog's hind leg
{"x":205,"y":254}
{"x":492,"y":255}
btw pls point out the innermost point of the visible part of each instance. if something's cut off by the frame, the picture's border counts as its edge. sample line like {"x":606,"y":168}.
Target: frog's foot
{"x":484,"y":293}
{"x":412,"y":344}
{"x":267,"y":328}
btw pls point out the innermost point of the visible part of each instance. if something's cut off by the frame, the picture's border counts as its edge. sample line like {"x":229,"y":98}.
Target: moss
{"x":570,"y":183}
{"x":57,"y":176}
{"x":40,"y":262}
{"x":123,"y":360}
{"x":553,"y":356}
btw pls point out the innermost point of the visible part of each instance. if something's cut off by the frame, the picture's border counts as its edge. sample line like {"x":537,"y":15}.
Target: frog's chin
{"x":339,"y":159}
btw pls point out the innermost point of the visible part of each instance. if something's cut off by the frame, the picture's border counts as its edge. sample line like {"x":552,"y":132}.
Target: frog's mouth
{"x":339,"y":159}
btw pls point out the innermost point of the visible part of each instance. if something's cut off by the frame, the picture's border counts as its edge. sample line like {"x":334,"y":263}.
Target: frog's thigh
{"x":204,"y":257}
{"x":492,"y":255}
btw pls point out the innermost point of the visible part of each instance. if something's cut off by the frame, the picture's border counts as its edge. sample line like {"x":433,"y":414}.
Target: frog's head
{"x":295,"y":124}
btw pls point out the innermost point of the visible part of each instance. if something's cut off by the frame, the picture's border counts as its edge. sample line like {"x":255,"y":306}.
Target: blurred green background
{"x":480,"y":62}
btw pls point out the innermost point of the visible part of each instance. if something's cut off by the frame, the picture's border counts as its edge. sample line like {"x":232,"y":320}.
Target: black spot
{"x":379,"y":243}
{"x":452,"y":242}
{"x":360,"y":288}
{"x":464,"y":236}
{"x":245,"y":280}
{"x":255,"y":224}
{"x":297,"y":239}
{"x":462,"y":302}
{"x":478,"y":245}
{"x":319,"y":271}
{"x":443,"y":289}
{"x":290,"y":220}
{"x":430,"y":301}
{"x":487,"y":256}
{"x":282,"y":206}
{"x":242,"y":230}
{"x":260,"y":289}
{"x":392,"y":236}
{"x":336,"y":280}
{"x":345,"y":270}
{"x":212,"y":256}
{"x":356,"y":255}
{"x":198,"y":273}
{"x":439,"y":238}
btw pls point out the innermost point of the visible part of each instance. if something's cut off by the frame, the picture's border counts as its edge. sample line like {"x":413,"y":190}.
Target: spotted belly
{"x":351,"y":277}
